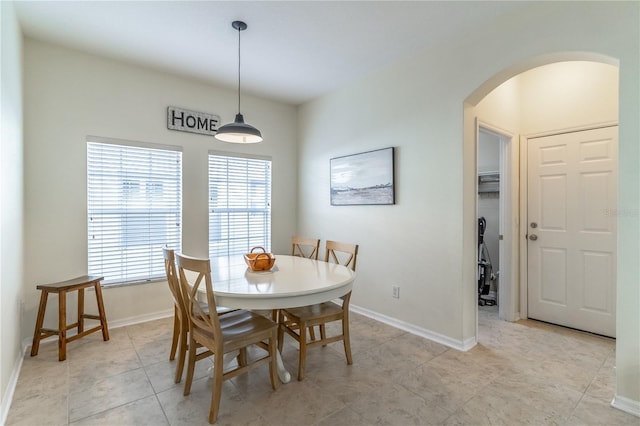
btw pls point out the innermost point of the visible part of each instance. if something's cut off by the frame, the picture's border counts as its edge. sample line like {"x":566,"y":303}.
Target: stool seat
{"x":62,"y":288}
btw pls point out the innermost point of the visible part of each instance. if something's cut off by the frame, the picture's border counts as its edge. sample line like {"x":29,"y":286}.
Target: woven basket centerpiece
{"x":259,"y":261}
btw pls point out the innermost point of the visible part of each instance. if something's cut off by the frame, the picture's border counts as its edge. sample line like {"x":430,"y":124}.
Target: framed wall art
{"x":363,"y":179}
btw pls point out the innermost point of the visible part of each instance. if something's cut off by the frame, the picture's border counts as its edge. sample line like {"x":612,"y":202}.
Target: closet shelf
{"x":489,"y":182}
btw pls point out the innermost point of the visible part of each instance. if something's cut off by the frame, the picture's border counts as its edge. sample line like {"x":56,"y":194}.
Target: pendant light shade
{"x":239,"y":131}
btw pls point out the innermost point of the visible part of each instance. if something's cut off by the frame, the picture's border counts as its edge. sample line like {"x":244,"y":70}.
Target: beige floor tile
{"x":492,"y":409}
{"x":553,"y":402}
{"x":603,"y":385}
{"x":396,"y":405}
{"x":152,"y":350}
{"x":93,"y":344}
{"x":162,"y":374}
{"x":89,"y":398}
{"x":596,"y":411}
{"x":449,"y":386}
{"x":146,"y":411}
{"x":413,"y":350}
{"x":110,"y":362}
{"x":383,"y":360}
{"x":42,"y":391}
{"x":520,"y":373}
{"x":297,"y":403}
{"x":43,"y":366}
{"x":193,"y":409}
{"x":343,"y":417}
{"x":152,"y":329}
{"x":254,"y":385}
{"x":351,"y":383}
{"x":40,"y":401}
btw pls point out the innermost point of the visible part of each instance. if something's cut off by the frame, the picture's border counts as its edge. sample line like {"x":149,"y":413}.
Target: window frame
{"x":153,"y":261}
{"x":216,"y":257}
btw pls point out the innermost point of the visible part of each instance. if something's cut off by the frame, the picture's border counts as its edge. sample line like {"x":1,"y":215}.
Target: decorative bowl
{"x":259,"y":261}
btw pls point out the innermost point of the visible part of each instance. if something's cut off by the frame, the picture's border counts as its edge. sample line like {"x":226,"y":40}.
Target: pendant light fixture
{"x":239,"y":131}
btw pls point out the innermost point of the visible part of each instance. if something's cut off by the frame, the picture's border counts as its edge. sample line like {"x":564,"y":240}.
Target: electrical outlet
{"x":396,"y":292}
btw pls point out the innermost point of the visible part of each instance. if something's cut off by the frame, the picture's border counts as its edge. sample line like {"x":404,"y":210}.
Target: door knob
{"x":533,"y":237}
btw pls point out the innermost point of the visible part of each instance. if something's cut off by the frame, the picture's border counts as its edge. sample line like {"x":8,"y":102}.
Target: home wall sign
{"x":185,"y":120}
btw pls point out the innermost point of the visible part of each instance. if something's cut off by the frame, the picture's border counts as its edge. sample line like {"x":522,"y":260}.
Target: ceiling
{"x":293,"y":51}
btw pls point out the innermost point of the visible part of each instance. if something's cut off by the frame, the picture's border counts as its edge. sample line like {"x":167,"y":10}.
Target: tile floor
{"x":519,"y":373}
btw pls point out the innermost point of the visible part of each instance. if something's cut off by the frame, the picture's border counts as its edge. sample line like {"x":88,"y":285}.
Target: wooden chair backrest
{"x":172,"y":279}
{"x":199,"y":274}
{"x":305,"y":247}
{"x":342,"y":253}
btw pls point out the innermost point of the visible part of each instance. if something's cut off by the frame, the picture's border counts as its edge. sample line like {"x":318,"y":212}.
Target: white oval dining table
{"x":293,"y":281}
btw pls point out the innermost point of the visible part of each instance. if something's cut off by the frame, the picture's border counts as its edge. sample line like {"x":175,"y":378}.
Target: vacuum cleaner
{"x":485,"y":268}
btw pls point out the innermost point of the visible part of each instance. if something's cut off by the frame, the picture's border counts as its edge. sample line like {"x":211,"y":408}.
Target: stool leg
{"x":103,"y":316}
{"x":62,"y":326}
{"x":35,"y":346}
{"x":80,"y":310}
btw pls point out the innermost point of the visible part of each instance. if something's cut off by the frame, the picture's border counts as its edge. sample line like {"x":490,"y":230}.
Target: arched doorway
{"x":493,"y":103}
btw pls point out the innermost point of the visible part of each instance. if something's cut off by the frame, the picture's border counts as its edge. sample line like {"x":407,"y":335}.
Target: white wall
{"x":414,"y":244}
{"x":70,"y":95}
{"x":426,"y":242}
{"x":567,"y":95}
{"x":11,"y":202}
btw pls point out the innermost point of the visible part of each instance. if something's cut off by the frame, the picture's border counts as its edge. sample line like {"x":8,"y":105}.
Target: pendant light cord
{"x":239,"y":30}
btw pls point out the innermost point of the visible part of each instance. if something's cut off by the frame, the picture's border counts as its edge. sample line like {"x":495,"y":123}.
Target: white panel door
{"x":572,"y":200}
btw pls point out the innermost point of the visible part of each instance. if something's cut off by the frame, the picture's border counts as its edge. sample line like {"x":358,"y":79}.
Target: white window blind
{"x":239,"y":205}
{"x":134,"y":206}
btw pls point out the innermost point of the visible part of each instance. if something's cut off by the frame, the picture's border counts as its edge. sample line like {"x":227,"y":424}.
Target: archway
{"x":472,"y":117}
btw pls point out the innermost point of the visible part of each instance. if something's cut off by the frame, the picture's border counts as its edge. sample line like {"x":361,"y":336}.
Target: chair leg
{"x":346,"y":340}
{"x":280,"y":336}
{"x":216,"y":388}
{"x":303,"y":351}
{"x":190,"y":365}
{"x":242,"y":357}
{"x":273,"y":365}
{"x":323,"y":333}
{"x":182,"y":351}
{"x":176,"y":334}
{"x":312,"y":333}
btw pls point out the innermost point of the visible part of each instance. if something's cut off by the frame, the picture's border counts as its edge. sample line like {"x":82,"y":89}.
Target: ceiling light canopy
{"x":239,"y":131}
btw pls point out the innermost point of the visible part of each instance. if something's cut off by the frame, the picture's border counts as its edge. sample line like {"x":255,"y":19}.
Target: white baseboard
{"x":627,"y":405}
{"x":461,"y":345}
{"x":141,"y":318}
{"x":11,"y":388}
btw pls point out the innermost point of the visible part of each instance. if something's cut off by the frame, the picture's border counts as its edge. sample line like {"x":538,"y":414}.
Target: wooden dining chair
{"x":180,"y":338}
{"x":296,"y":321}
{"x":180,"y":319}
{"x":221,"y":334}
{"x":305,"y":247}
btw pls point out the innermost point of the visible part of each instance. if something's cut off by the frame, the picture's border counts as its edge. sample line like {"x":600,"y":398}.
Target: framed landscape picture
{"x":363,"y":179}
